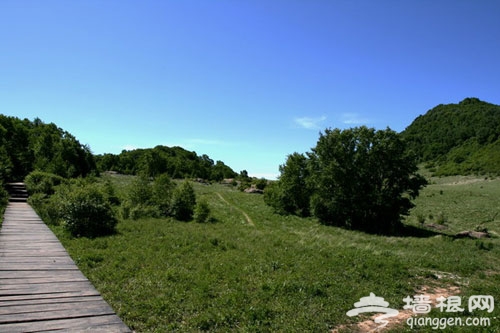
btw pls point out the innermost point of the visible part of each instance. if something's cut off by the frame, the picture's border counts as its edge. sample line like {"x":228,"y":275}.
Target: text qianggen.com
{"x":442,"y":323}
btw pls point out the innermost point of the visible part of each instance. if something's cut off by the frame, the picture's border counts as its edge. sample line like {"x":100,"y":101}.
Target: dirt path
{"x":249,"y":220}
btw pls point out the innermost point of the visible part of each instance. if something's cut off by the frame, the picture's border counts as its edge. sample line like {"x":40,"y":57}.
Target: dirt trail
{"x":249,"y":220}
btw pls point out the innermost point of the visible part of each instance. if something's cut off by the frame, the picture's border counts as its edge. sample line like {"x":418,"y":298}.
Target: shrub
{"x":140,"y":191}
{"x":4,"y":199}
{"x":85,"y":212}
{"x":42,"y":182}
{"x":261,"y":183}
{"x":141,"y":211}
{"x":183,"y":202}
{"x":47,"y":207}
{"x":162,"y":193}
{"x":201,"y":212}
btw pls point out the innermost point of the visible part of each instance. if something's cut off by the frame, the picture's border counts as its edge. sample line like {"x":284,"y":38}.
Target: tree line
{"x":26,"y":146}
{"x":461,"y":138}
{"x":176,"y":162}
{"x":34,"y":145}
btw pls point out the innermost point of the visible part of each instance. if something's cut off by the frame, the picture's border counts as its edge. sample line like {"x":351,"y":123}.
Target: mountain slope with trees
{"x":174,"y":161}
{"x":455,"y":139}
{"x":34,"y":145}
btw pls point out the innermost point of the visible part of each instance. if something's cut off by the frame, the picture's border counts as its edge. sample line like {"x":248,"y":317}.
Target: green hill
{"x":27,"y":145}
{"x":458,"y":139}
{"x":34,"y":145}
{"x":174,"y":161}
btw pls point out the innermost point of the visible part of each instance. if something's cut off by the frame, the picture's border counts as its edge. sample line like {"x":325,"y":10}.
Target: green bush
{"x":42,"y":182}
{"x":47,"y":207}
{"x":86,"y":212}
{"x":4,"y":200}
{"x":140,"y":191}
{"x":201,"y":212}
{"x":183,"y":202}
{"x":162,"y":193}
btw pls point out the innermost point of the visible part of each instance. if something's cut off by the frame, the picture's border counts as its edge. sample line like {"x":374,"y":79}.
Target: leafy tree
{"x":356,"y":178}
{"x":183,"y":202}
{"x":291,"y":194}
{"x":32,"y":145}
{"x":363,"y":179}
{"x":162,"y":193}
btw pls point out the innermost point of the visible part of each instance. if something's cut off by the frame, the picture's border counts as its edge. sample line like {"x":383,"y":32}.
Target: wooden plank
{"x":38,"y":274}
{"x":98,"y":304}
{"x":82,"y":293}
{"x":44,"y":301}
{"x":108,"y":324}
{"x":71,"y":312}
{"x":35,"y":260}
{"x":44,"y":288}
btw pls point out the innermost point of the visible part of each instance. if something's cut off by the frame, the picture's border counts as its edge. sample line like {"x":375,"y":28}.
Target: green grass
{"x":284,"y":273}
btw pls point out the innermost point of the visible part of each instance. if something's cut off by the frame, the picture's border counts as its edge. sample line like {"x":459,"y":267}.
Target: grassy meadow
{"x":251,"y":270}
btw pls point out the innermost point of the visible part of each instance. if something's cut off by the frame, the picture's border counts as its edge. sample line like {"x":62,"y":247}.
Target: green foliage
{"x":363,"y":179}
{"x":86,"y":212}
{"x":42,"y":182}
{"x":32,"y":145}
{"x":286,"y":274}
{"x":176,"y":162}
{"x":261,"y":183}
{"x":458,"y":139}
{"x":4,"y":200}
{"x":183,"y":201}
{"x":357,"y":178}
{"x":291,"y":194}
{"x":201,"y":211}
{"x":140,"y":191}
{"x":47,"y":207}
{"x":162,"y":193}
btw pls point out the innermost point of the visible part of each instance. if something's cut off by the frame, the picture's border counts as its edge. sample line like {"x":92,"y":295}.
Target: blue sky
{"x":245,"y":81}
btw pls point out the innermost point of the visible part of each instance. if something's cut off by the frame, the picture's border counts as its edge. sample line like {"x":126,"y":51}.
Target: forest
{"x":26,"y":146}
{"x":174,"y":161}
{"x":458,"y":139}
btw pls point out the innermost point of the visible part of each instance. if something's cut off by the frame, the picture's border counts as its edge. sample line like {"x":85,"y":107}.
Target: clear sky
{"x":245,"y":81}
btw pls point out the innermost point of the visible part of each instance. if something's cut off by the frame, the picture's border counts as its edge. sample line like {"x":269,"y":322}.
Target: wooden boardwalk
{"x":41,"y":288}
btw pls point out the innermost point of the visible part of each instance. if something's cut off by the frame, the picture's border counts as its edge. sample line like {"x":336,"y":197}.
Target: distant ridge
{"x":458,"y":139}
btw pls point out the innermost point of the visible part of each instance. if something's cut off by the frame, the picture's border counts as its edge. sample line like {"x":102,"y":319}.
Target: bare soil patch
{"x":370,"y":326}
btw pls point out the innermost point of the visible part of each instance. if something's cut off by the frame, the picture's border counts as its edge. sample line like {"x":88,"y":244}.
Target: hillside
{"x":174,"y":161}
{"x":461,"y":138}
{"x":34,"y":145}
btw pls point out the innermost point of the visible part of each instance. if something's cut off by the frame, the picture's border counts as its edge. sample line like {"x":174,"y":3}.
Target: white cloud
{"x":353,"y":119}
{"x":309,"y":122}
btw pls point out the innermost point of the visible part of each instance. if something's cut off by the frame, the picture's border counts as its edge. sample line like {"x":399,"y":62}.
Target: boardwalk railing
{"x":41,"y":288}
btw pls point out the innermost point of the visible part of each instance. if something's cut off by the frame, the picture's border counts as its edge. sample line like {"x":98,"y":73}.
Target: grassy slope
{"x":284,"y":273}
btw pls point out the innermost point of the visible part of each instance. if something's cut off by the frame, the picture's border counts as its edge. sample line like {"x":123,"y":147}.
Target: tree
{"x":162,"y":192}
{"x":183,"y":202}
{"x":363,"y":179}
{"x":291,"y":194}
